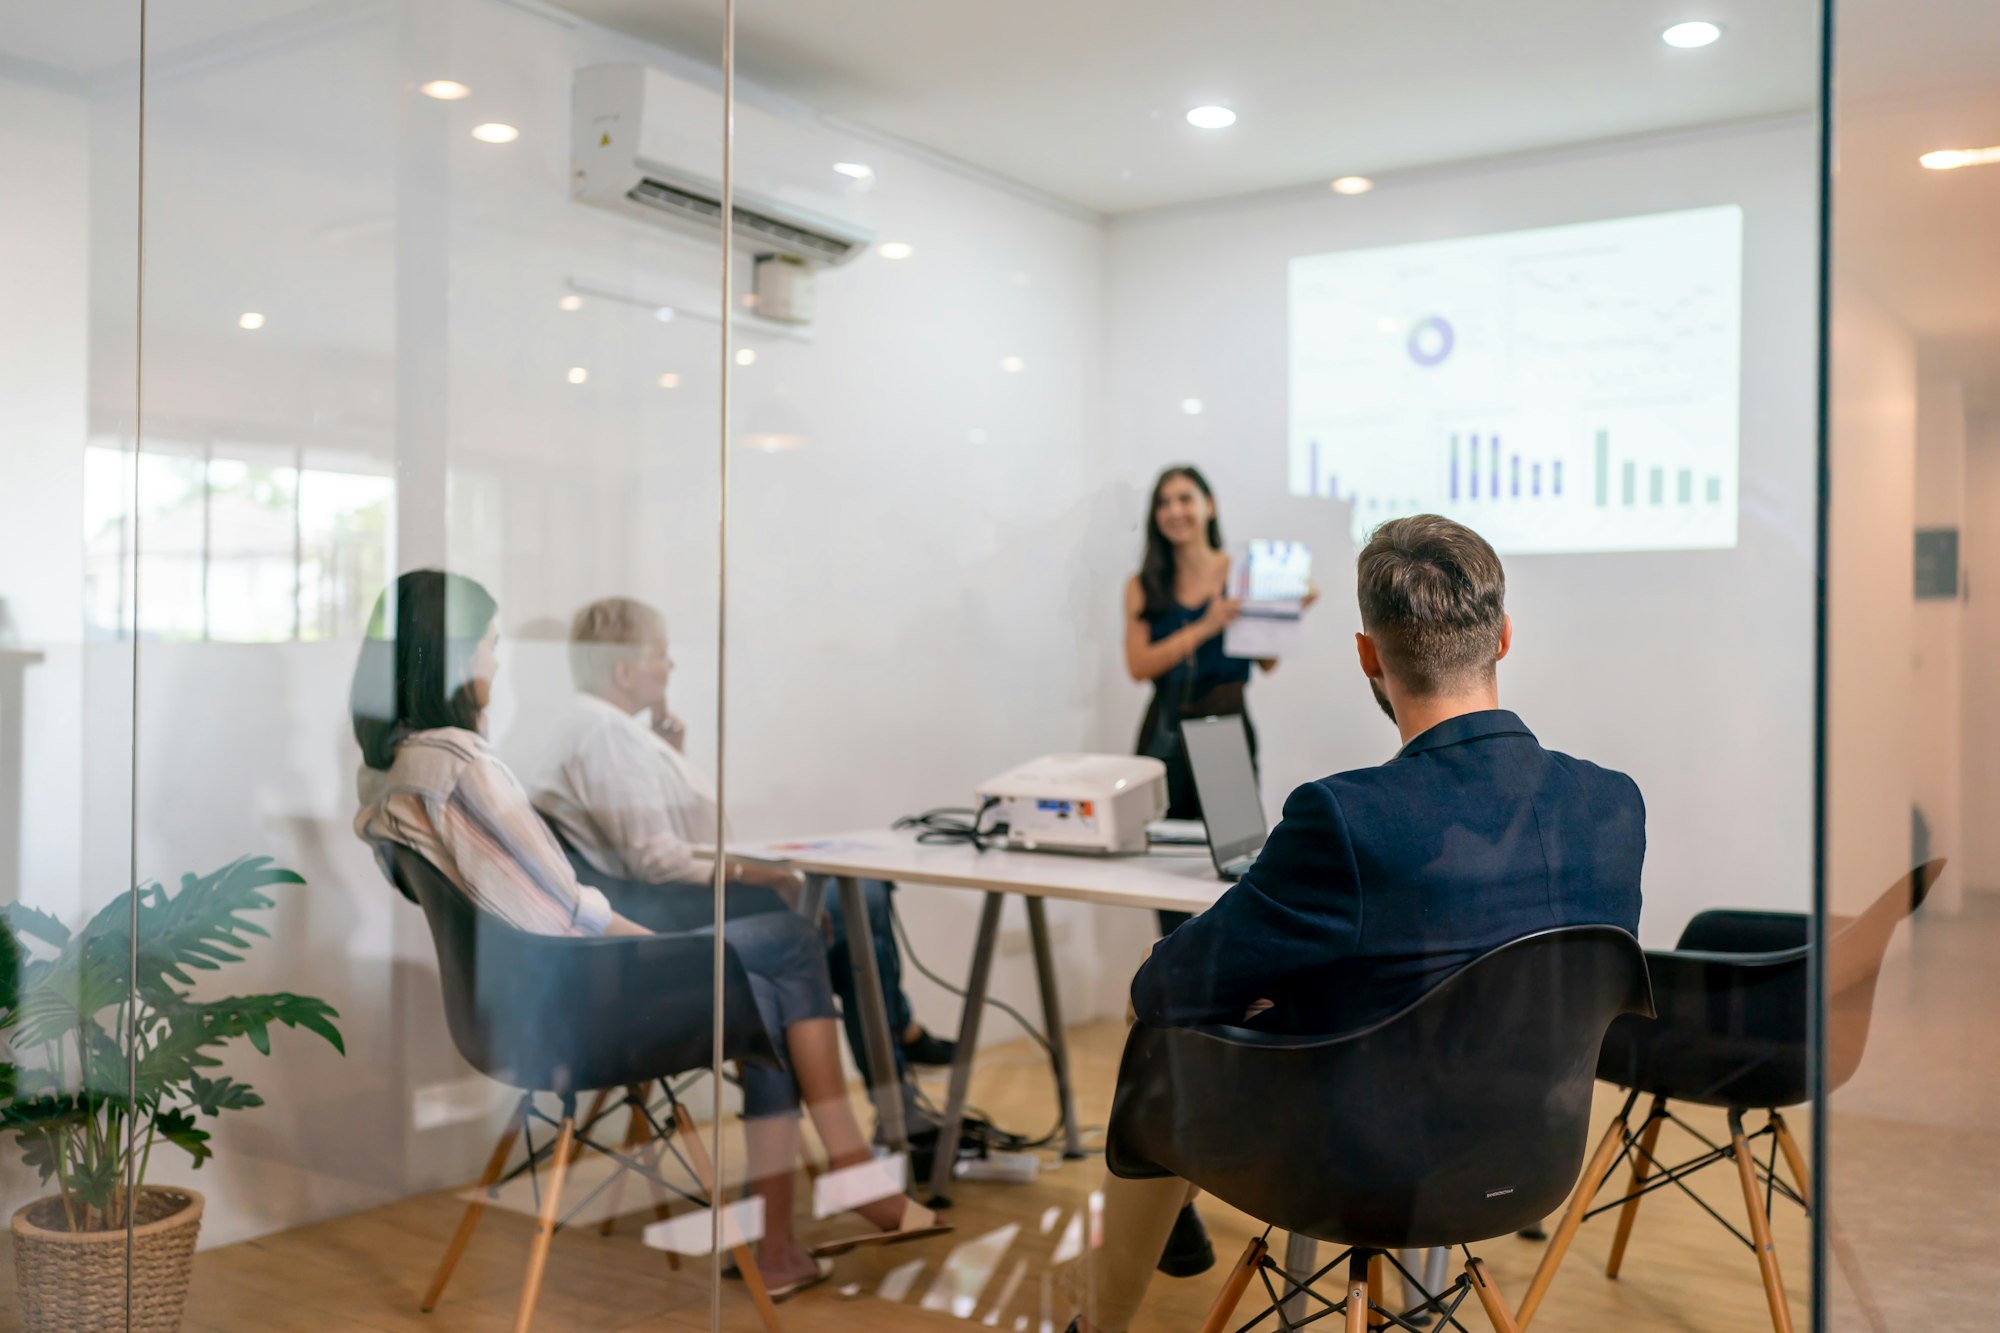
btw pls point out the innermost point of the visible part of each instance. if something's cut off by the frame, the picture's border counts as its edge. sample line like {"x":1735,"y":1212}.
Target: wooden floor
{"x":368,"y":1270}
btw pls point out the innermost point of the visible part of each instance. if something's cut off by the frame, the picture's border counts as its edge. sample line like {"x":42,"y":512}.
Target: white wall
{"x":1982,"y":647}
{"x":1872,"y":450}
{"x":1691,"y":671}
{"x":1938,"y":664}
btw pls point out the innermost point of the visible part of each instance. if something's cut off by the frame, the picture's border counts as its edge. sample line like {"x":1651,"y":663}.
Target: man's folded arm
{"x":1296,"y":911}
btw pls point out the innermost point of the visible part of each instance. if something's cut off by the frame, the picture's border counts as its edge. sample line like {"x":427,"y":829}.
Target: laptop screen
{"x":1219,"y":753}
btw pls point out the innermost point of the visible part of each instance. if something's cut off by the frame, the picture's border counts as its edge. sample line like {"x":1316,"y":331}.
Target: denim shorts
{"x":785,"y":956}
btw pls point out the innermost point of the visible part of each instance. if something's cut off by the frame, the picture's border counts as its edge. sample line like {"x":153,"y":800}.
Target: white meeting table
{"x":1179,"y":879}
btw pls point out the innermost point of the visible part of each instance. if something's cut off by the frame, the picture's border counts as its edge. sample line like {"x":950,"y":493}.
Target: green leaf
{"x":216,"y":1095}
{"x":179,"y":1128}
{"x":35,"y":924}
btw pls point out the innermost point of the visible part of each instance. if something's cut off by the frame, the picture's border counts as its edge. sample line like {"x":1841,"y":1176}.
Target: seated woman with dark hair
{"x":431,"y":784}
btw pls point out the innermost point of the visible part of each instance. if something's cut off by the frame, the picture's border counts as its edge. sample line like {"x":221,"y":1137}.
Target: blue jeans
{"x":888,"y":962}
{"x":785,"y":959}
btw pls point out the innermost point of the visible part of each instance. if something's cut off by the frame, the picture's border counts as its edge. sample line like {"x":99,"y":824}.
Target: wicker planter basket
{"x":71,"y":1282}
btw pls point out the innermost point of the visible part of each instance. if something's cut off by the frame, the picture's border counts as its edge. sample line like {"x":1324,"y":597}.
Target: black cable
{"x":1019,"y":1143}
{"x":955,"y":823}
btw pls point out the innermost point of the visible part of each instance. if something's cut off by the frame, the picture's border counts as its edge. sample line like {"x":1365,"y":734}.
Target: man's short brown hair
{"x":1433,"y":597}
{"x":609,"y":631}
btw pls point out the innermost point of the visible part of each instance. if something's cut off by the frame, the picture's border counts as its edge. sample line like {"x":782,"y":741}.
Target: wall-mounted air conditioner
{"x":649,"y":145}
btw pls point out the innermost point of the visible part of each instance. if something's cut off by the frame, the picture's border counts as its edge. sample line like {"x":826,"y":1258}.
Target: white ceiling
{"x":1086,"y":101}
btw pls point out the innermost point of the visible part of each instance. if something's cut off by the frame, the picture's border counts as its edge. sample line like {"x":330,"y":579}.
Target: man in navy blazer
{"x":1380,"y":882}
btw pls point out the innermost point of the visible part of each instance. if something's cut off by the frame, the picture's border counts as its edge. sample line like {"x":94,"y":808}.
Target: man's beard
{"x":1381,"y":698}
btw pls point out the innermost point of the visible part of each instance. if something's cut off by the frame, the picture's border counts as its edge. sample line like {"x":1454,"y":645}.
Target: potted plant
{"x":109,"y":1056}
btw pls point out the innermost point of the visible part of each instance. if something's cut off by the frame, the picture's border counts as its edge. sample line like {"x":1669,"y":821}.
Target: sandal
{"x":918,"y":1222}
{"x":822,"y":1270}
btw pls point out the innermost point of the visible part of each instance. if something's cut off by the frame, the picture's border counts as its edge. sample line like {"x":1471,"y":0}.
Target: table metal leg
{"x":1052,"y":1019}
{"x":1301,"y":1259}
{"x":884,"y":1084}
{"x":812,"y":902}
{"x":968,"y":1038}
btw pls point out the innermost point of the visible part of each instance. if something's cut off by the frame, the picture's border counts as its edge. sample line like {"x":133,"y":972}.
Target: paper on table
{"x":1271,"y":578}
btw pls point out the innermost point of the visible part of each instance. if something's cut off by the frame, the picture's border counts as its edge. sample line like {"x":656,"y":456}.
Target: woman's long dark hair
{"x":416,"y":674}
{"x":1156,"y":570}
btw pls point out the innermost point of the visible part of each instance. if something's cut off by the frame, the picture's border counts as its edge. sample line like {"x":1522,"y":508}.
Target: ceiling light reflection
{"x":1211,"y":117}
{"x":1950,"y":159}
{"x":250,"y":319}
{"x":577,"y":375}
{"x":493,"y":131}
{"x":895,"y":249}
{"x":445,"y":90}
{"x":1352,"y":185}
{"x":1687,"y":36}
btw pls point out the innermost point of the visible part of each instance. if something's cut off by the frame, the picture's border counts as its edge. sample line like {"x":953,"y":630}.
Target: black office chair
{"x":668,"y":908}
{"x":1731,"y":1032}
{"x":562,"y":1015}
{"x":1461,"y":1118}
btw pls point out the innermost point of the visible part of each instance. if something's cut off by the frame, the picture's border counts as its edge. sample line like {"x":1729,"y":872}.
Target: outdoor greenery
{"x":107,"y":1053}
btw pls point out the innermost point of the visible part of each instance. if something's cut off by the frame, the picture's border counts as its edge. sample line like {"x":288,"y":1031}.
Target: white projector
{"x":1078,"y":802}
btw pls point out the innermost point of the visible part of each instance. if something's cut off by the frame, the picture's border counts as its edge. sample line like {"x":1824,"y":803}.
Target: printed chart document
{"x":1271,"y":579}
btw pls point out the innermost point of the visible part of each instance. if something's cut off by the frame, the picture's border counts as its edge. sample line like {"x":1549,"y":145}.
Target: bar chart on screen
{"x":1561,"y":390}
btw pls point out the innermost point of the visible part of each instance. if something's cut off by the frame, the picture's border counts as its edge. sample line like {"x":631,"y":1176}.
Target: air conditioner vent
{"x":786,"y":237}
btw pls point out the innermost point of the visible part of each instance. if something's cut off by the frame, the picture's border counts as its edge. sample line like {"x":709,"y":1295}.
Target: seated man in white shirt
{"x":627,"y":800}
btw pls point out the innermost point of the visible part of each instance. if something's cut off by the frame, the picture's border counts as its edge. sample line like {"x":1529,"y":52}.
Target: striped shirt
{"x":450,"y":800}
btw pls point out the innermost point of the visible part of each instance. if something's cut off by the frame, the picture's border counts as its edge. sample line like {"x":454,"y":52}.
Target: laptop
{"x":1218,"y":751}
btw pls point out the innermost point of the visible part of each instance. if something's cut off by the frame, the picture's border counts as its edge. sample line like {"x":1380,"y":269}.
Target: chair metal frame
{"x":1757,"y":1065}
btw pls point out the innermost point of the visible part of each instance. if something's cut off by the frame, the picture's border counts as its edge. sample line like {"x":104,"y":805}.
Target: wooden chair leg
{"x":1579,"y":1204}
{"x":1794,"y":1157}
{"x":746,"y":1261}
{"x":1760,"y":1227}
{"x":473,"y":1212}
{"x":1357,"y":1292}
{"x":1377,"y":1296}
{"x":1489,"y":1298}
{"x":1642,"y":1166}
{"x":545,"y":1222}
{"x":1234,"y":1286}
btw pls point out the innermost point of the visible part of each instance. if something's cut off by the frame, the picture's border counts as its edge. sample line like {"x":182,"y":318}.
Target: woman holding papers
{"x":1176,"y":610}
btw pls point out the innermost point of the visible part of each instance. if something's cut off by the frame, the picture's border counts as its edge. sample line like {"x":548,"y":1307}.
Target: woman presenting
{"x":1176,"y":609}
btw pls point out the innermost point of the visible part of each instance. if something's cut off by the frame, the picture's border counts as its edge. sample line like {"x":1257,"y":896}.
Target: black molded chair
{"x":561,"y":1015}
{"x":1463,"y":1117}
{"x":1732,"y":1032}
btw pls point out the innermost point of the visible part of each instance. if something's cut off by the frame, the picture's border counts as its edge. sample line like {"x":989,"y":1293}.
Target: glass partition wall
{"x":393,"y":447}
{"x":1912,"y":359}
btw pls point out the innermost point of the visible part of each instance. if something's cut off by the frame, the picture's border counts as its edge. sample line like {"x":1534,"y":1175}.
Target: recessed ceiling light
{"x":854,"y":170}
{"x":577,"y":375}
{"x":1351,"y":185}
{"x":1211,"y":117}
{"x":1013,"y":365}
{"x":746,"y":356}
{"x":445,"y":90}
{"x":1690,"y":35}
{"x":249,"y":319}
{"x":1191,"y":406}
{"x":493,"y":131}
{"x":665,"y":314}
{"x":895,"y":249}
{"x":1949,"y":159}
{"x":670,"y":381}
{"x":570,"y":302}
